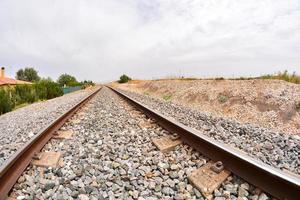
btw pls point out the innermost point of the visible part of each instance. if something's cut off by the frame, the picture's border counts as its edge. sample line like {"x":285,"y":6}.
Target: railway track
{"x":279,"y":184}
{"x":12,"y":169}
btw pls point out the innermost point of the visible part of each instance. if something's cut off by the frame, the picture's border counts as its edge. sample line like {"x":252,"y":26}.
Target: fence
{"x":67,"y":90}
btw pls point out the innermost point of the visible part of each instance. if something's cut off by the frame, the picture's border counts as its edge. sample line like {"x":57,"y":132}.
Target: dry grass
{"x":292,"y":78}
{"x":285,"y":75}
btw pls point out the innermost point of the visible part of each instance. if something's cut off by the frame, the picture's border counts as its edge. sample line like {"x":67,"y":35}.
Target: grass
{"x":222,"y":98}
{"x":167,"y":97}
{"x":20,"y":106}
{"x":285,"y":76}
{"x":26,"y":104}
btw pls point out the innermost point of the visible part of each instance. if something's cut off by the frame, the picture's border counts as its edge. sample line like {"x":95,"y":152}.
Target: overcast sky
{"x":101,"y":39}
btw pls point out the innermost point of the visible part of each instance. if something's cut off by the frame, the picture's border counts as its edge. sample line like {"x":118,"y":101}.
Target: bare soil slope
{"x":267,"y":103}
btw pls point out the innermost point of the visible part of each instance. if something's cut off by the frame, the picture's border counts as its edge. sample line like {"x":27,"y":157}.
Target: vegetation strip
{"x":16,"y":164}
{"x":278,"y":183}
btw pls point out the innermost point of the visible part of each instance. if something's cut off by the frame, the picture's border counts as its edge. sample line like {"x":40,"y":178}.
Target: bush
{"x":219,"y":78}
{"x":222,"y":98}
{"x":298,"y":105}
{"x":87,"y":83}
{"x":25,"y":94}
{"x":47,"y":89}
{"x":167,"y":97}
{"x":6,"y":104}
{"x":124,"y":79}
{"x":11,"y":97}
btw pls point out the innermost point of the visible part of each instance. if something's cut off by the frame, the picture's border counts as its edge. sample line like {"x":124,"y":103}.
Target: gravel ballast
{"x":18,"y":126}
{"x":274,"y":148}
{"x":111,"y":156}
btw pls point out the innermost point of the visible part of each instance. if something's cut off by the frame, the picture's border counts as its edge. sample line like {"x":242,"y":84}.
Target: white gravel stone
{"x":125,"y":165}
{"x":18,"y":126}
{"x":275,"y":148}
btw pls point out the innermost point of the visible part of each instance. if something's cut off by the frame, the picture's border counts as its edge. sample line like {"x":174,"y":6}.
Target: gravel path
{"x":112,"y":157}
{"x":19,"y":126}
{"x":274,"y":148}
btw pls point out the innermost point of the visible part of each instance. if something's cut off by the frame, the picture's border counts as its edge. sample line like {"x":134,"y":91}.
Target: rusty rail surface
{"x":12,"y":168}
{"x":278,"y":183}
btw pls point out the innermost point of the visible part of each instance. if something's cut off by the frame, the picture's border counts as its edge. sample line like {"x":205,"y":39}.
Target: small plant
{"x":124,"y":78}
{"x":222,"y":98}
{"x":219,"y":78}
{"x":167,"y":97}
{"x":146,"y":93}
{"x":298,"y":105}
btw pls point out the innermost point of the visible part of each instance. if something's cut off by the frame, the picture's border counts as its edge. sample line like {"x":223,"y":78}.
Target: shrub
{"x":298,"y":104}
{"x":219,"y":78}
{"x":124,"y":79}
{"x":25,"y":94}
{"x":47,"y":89}
{"x":167,"y":97}
{"x":53,"y":90}
{"x":87,"y":83}
{"x":6,"y":104}
{"x":222,"y":98}
{"x":11,"y":97}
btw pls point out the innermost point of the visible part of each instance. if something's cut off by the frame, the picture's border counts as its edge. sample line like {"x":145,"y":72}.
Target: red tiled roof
{"x":11,"y":81}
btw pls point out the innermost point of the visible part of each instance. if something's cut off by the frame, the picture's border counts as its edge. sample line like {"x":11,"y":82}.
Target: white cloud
{"x":99,"y":40}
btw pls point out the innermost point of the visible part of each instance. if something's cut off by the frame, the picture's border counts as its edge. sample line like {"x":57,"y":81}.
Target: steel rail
{"x":278,"y":183}
{"x":12,"y":168}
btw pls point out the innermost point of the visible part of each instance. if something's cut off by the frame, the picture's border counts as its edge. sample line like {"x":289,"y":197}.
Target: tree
{"x":124,"y":78}
{"x":28,"y":74}
{"x":67,"y":80}
{"x":20,"y":75}
{"x":86,"y":83}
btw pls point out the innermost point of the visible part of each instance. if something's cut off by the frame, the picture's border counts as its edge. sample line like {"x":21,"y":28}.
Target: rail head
{"x":278,"y":183}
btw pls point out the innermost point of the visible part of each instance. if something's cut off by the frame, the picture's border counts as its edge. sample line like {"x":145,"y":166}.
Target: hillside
{"x":267,"y":103}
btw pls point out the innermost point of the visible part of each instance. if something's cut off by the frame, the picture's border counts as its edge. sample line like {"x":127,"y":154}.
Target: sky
{"x":101,"y":39}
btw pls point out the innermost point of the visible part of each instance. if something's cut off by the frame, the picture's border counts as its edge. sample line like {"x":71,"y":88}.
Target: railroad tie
{"x":63,"y":134}
{"x":47,"y":159}
{"x":166,"y":144}
{"x":208,"y":178}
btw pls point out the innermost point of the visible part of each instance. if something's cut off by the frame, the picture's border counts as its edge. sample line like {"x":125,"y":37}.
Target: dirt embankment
{"x":267,"y":103}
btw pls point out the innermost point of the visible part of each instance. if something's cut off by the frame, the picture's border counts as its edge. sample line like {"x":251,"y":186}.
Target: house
{"x":5,"y":81}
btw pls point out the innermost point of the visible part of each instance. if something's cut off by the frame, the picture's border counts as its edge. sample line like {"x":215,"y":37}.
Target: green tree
{"x":20,"y":75}
{"x":67,"y":80}
{"x":86,"y":83}
{"x":124,"y":78}
{"x":28,"y":74}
